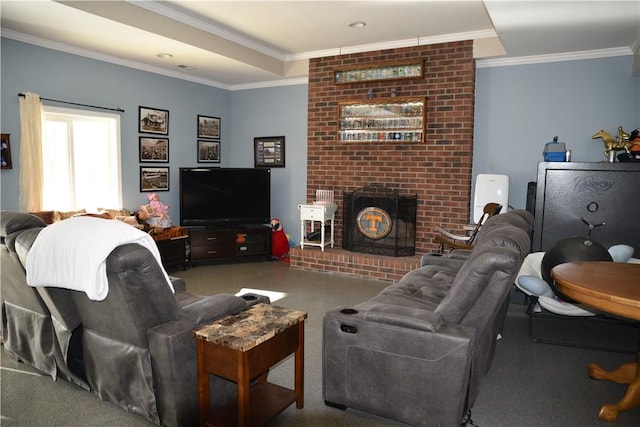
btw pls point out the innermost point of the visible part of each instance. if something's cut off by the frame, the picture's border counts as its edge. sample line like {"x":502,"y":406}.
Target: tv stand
{"x":231,"y":243}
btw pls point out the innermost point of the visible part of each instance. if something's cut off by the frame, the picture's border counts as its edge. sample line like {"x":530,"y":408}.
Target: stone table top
{"x":247,"y":329}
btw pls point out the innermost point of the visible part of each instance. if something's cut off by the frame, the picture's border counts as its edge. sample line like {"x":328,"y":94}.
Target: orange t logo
{"x":372,"y":220}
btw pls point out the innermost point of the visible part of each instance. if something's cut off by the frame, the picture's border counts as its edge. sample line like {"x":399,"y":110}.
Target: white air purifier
{"x":490,"y":189}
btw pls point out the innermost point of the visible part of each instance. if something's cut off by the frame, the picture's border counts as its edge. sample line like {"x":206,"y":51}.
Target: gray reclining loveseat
{"x":417,"y":351}
{"x":135,"y":348}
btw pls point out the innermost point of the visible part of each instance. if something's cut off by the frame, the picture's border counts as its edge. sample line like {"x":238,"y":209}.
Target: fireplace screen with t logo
{"x":380,"y":221}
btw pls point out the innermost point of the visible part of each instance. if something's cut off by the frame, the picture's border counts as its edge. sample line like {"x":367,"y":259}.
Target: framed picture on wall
{"x":6,"y":151}
{"x":154,"y":178}
{"x":153,"y":120}
{"x":208,"y":151}
{"x":208,"y":127}
{"x":269,"y":152}
{"x":154,"y":149}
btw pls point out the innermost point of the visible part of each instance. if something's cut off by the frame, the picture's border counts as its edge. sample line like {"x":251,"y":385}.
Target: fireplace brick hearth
{"x":340,"y":261}
{"x":438,"y":171}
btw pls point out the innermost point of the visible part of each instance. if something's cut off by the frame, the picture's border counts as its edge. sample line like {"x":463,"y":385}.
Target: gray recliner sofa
{"x":135,"y":348}
{"x":49,"y":341}
{"x":417,"y":351}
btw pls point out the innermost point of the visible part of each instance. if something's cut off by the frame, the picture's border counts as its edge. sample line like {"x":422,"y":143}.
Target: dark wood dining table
{"x":613,"y":288}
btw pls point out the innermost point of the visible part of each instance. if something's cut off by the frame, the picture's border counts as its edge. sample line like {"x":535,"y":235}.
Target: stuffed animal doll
{"x":279,"y":241}
{"x":155,"y":213}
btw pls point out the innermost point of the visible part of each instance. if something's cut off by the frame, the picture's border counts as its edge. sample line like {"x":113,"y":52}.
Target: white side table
{"x":313,"y":213}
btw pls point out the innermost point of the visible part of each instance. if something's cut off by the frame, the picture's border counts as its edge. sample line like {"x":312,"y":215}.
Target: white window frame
{"x":111,"y":131}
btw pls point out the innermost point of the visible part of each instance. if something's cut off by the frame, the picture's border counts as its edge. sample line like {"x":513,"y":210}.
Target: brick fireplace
{"x":438,"y":171}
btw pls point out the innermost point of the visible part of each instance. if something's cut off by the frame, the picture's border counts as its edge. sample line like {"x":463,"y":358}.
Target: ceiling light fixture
{"x":358,"y":24}
{"x":164,"y":55}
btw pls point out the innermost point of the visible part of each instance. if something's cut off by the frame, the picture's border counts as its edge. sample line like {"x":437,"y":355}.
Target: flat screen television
{"x":224,"y":196}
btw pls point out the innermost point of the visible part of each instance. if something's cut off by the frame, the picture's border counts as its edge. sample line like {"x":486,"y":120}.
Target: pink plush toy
{"x":155,"y":213}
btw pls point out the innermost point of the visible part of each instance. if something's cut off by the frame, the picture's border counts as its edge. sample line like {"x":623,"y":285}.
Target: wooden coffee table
{"x":613,"y":288}
{"x":242,"y":348}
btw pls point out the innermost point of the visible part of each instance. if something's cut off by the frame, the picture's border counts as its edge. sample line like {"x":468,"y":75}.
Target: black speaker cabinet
{"x":568,"y":194}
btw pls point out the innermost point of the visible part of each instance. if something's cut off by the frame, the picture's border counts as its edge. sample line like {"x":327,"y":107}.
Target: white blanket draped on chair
{"x":72,"y":254}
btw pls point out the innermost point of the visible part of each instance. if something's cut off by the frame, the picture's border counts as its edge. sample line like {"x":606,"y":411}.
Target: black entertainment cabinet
{"x":598,"y":192}
{"x":174,"y":252}
{"x":230,"y":244}
{"x":226,"y":211}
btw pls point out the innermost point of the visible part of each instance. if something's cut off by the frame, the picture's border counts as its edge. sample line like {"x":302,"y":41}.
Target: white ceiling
{"x":239,"y":44}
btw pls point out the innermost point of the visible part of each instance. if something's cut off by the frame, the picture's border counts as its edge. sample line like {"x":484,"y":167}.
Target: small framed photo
{"x":153,"y":120}
{"x":6,"y":151}
{"x":154,"y":149}
{"x":208,"y":151}
{"x":269,"y":152}
{"x":154,"y":178}
{"x":208,"y":127}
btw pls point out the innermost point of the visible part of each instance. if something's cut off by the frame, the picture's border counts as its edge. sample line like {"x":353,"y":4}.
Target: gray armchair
{"x":139,"y":349}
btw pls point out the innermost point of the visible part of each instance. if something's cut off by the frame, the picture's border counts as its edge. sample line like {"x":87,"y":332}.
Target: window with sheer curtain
{"x":81,"y":160}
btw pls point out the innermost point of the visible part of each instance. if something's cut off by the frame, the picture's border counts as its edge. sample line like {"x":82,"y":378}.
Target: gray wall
{"x":56,"y":75}
{"x":280,"y":111}
{"x":518,"y":110}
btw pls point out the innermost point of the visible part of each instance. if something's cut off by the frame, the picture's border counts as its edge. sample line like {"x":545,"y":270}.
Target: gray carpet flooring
{"x":529,"y":384}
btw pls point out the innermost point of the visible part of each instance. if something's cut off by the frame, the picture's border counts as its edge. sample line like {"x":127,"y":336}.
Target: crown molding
{"x":395,"y":44}
{"x":480,"y":63}
{"x":274,"y":83}
{"x":556,"y":57}
{"x":87,"y":53}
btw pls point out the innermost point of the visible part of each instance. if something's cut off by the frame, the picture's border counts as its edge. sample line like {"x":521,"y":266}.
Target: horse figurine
{"x":621,"y":142}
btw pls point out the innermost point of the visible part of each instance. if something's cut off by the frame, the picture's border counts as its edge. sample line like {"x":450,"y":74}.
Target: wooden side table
{"x":174,"y":247}
{"x":321,"y":213}
{"x":242,"y":348}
